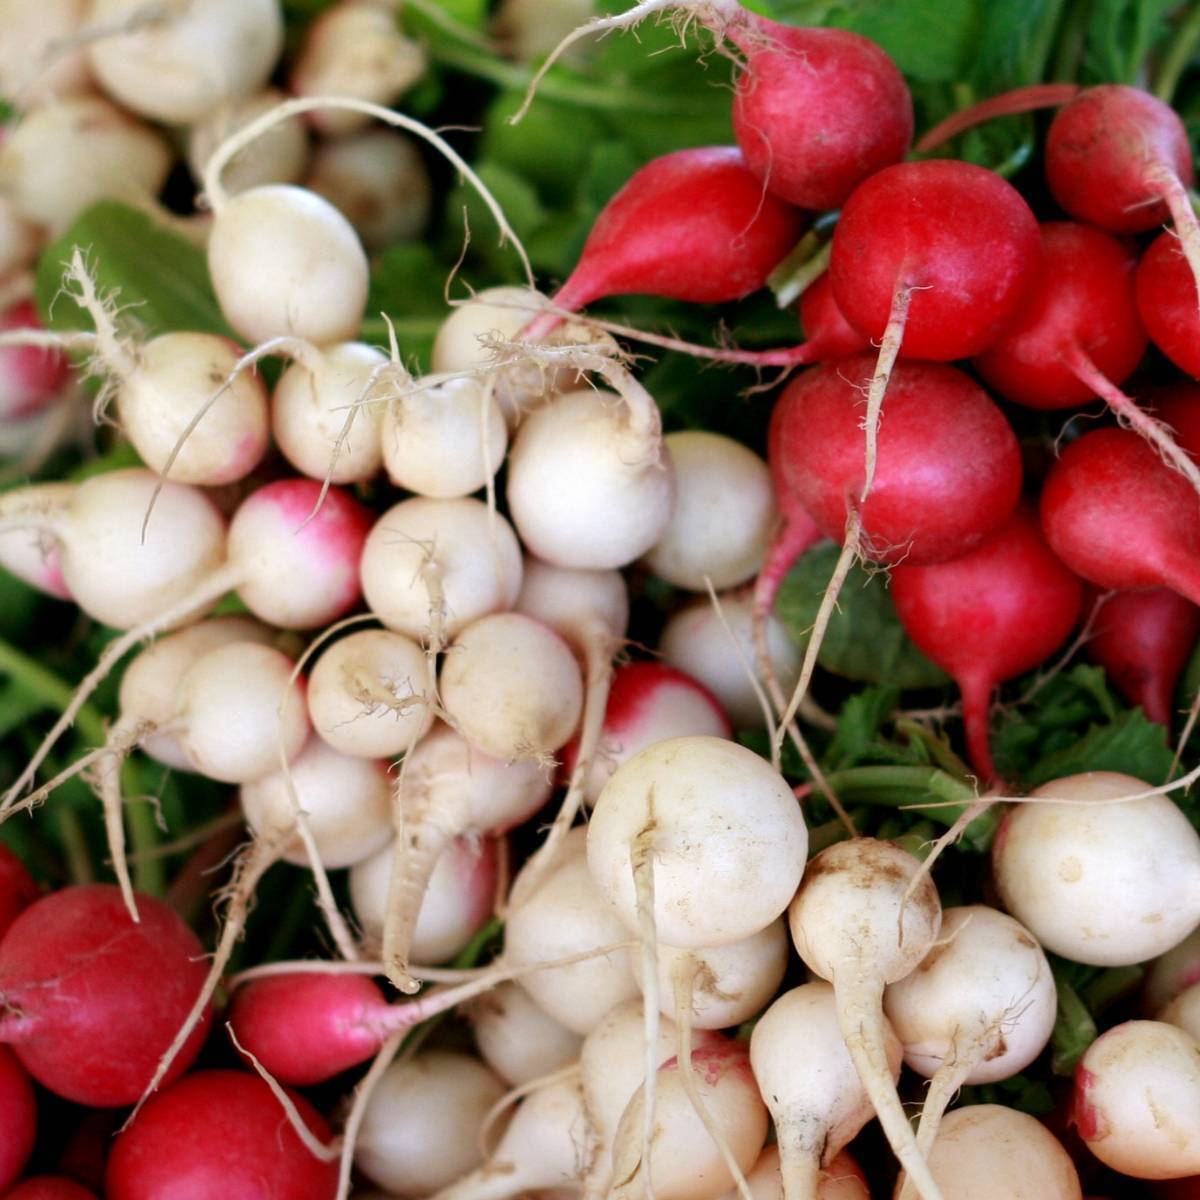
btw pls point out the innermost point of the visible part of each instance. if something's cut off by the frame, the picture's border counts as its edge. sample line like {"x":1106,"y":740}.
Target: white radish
{"x":444,"y":437}
{"x":1172,"y":973}
{"x":978,"y":1008}
{"x":810,"y":1083}
{"x":516,"y":1038}
{"x":378,"y":180}
{"x":1184,"y":1011}
{"x":32,"y":554}
{"x":19,"y":239}
{"x":589,"y":484}
{"x":511,"y":684}
{"x":431,"y":567}
{"x":856,"y":925}
{"x":279,"y":156}
{"x":988,"y":1152}
{"x":355,"y":49}
{"x":420,"y":1130}
{"x":530,"y":29}
{"x":41,"y":58}
{"x":1137,"y":1100}
{"x":1059,"y":865}
{"x":195,"y":57}
{"x":840,"y":1180}
{"x":718,"y":650}
{"x":370,"y":694}
{"x":723,"y":516}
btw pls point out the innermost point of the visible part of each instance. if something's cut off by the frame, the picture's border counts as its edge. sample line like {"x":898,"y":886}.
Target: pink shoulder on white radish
{"x":32,"y":554}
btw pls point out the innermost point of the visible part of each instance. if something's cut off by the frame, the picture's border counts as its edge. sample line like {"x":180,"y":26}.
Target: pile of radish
{"x":474,"y":777}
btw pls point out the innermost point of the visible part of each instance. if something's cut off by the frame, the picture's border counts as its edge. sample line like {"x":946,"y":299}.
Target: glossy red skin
{"x":827,"y":333}
{"x":1143,"y":640}
{"x":998,"y":611}
{"x":1179,"y":406}
{"x":948,"y":471}
{"x":219,"y":1135}
{"x":817,"y":111}
{"x":18,"y":1117}
{"x":1102,"y":150}
{"x":1120,"y":518}
{"x":30,"y":377}
{"x":306,"y":1027}
{"x":1083,"y":295}
{"x":49,"y":1187}
{"x":17,"y":889}
{"x":94,"y":1000}
{"x":693,"y":225}
{"x":1167,"y":304}
{"x":958,"y":232}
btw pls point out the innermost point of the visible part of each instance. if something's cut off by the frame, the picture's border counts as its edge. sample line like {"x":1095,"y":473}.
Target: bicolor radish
{"x":30,"y":376}
{"x":32,"y":554}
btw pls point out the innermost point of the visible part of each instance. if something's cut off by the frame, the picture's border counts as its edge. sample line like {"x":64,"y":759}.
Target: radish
{"x":370,"y":694}
{"x":1008,"y":599}
{"x":1137,"y":1100}
{"x":19,"y":238}
{"x":529,"y":29}
{"x":855,"y":924}
{"x":1118,"y":516}
{"x":248,"y":1140}
{"x":431,"y":567}
{"x":354,"y":49}
{"x":18,"y":1117}
{"x":1059,"y":862}
{"x":840,"y":1180}
{"x":90,"y":1000}
{"x":516,"y":1038}
{"x":42,"y":58}
{"x":61,"y":159}
{"x":444,"y":437}
{"x":1143,"y":640}
{"x":17,"y":888}
{"x":585,"y":453}
{"x":978,"y":1008}
{"x":722,"y":517}
{"x":692,"y":225}
{"x":828,"y":335}
{"x":32,"y":554}
{"x":30,"y":376}
{"x":1184,"y":1012}
{"x":378,"y":181}
{"x":1171,"y":974}
{"x":1167,"y":303}
{"x":987,"y":1152}
{"x":810,"y":1083}
{"x":420,"y":1131}
{"x":49,"y":1187}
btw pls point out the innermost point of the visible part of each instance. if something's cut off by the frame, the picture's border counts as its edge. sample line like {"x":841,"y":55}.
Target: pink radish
{"x":1008,"y":599}
{"x":91,"y":1000}
{"x":856,"y":925}
{"x":17,"y":888}
{"x":18,"y":1117}
{"x":1167,"y":303}
{"x":516,"y":1038}
{"x":248,"y":1139}
{"x":1143,"y":641}
{"x":1120,"y":517}
{"x":30,"y":376}
{"x":1137,"y":1100}
{"x":1058,"y":862}
{"x":840,"y":1180}
{"x":32,"y":555}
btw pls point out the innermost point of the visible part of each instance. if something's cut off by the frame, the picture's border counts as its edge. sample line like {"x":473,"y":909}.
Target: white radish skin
{"x":1172,"y":973}
{"x":285,"y":263}
{"x":723,"y":517}
{"x":516,"y":1038}
{"x":855,"y":924}
{"x":178,"y":69}
{"x":19,"y":240}
{"x":1137,"y":1100}
{"x":988,"y":1152}
{"x":1184,"y":1011}
{"x":840,"y":1180}
{"x":513,"y":687}
{"x":431,"y":567}
{"x":346,"y":801}
{"x":230,"y":699}
{"x":370,"y":694}
{"x":279,"y":156}
{"x":713,"y":819}
{"x":37,"y":62}
{"x":61,"y":159}
{"x":170,"y":379}
{"x":420,"y":1130}
{"x":1058,"y":867}
{"x":723,"y":659}
{"x":356,"y":50}
{"x":32,"y":554}
{"x":810,"y":1082}
{"x":379,"y":181}
{"x":548,"y":1143}
{"x":309,"y":411}
{"x":458,"y":899}
{"x":530,"y":29}
{"x":978,"y":1008}
{"x":433,"y":437}
{"x":580,"y":456}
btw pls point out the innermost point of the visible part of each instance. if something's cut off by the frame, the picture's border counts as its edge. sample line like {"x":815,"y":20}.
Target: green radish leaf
{"x":858,"y":727}
{"x":1120,"y":35}
{"x":1130,"y":744}
{"x":520,"y":204}
{"x":1074,"y":1029}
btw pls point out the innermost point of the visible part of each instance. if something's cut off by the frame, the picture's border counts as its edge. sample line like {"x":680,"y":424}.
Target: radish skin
{"x":17,"y":888}
{"x":18,"y":1114}
{"x":277,"y":157}
{"x":516,"y":1038}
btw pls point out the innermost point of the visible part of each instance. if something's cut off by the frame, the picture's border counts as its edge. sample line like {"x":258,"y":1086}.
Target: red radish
{"x":226,"y":1135}
{"x":1166,"y":302}
{"x":1017,"y":100}
{"x":1179,"y":406}
{"x":17,"y":888}
{"x":693,"y":225}
{"x":998,"y":611}
{"x":1143,"y":641}
{"x":18,"y":1117}
{"x":827,"y":333}
{"x":90,"y":1000}
{"x":49,"y":1187}
{"x":1116,"y":514}
{"x":30,"y":376}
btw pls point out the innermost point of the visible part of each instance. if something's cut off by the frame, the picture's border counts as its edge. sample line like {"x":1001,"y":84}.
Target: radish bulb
{"x":516,"y":1038}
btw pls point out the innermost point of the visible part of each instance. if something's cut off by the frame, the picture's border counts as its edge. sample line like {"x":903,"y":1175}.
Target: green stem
{"x":792,"y":278}
{"x":1070,"y":40}
{"x":945,"y":758}
{"x":1178,"y":55}
{"x":1074,"y":1029}
{"x":79,"y":860}
{"x":149,"y":869}
{"x":54,"y":691}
